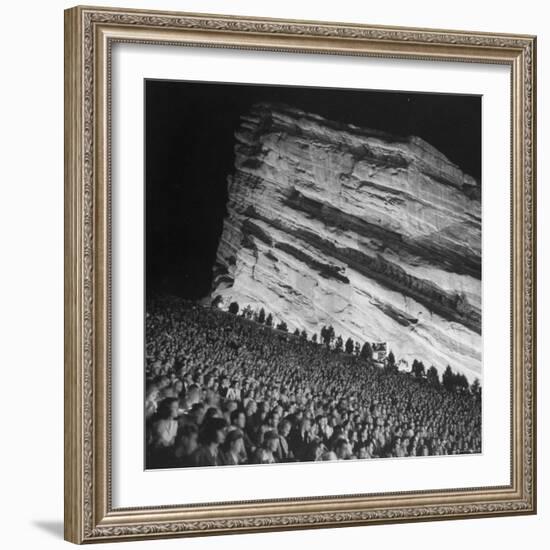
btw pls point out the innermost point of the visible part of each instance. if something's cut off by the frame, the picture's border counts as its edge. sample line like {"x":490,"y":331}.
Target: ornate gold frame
{"x":89,"y":34}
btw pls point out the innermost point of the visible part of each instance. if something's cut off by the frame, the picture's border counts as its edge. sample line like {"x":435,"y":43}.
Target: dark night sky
{"x":189,"y":153}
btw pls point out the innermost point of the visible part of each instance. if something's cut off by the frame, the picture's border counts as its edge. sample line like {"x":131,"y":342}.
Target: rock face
{"x":377,"y":235}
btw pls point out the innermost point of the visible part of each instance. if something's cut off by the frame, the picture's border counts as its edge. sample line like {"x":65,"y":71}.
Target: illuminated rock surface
{"x":377,"y":235}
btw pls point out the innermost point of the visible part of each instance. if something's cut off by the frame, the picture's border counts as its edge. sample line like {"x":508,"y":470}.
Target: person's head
{"x":163,"y":382}
{"x":188,"y":436}
{"x":314,"y":429}
{"x":213,"y":431}
{"x":230,"y":406}
{"x":342,"y":449}
{"x":251,"y":407}
{"x":314,"y":451}
{"x":197,"y":413}
{"x":168,"y":408}
{"x":193,"y":395}
{"x":234,"y":442}
{"x":362,"y":453}
{"x":211,"y":397}
{"x":211,"y":412}
{"x":238,"y":419}
{"x":271,"y":441}
{"x":338,"y":430}
{"x":272,"y":419}
{"x":155,"y":369}
{"x":329,"y":455}
{"x":284,"y":427}
{"x":152,"y":393}
{"x":178,"y":386}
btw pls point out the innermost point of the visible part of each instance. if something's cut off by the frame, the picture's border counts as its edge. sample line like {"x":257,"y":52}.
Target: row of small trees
{"x":327,"y":335}
{"x":450,"y":380}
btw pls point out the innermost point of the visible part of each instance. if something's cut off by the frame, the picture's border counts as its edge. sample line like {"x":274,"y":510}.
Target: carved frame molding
{"x":89,"y":35}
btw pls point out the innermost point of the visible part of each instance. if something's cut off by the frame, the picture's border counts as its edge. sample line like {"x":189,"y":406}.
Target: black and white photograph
{"x":312,"y":274}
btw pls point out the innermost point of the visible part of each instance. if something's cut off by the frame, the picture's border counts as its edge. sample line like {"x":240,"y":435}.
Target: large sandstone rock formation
{"x":377,"y":235}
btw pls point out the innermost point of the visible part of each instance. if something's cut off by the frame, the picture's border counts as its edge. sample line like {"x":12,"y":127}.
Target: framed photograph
{"x":300,"y":274}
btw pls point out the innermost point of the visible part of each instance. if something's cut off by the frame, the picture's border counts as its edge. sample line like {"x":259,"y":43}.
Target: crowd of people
{"x":223,"y":390}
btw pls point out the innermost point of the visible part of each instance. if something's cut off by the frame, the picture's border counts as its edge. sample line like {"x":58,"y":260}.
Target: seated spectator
{"x":267,"y":453}
{"x":186,"y":443}
{"x":314,"y":450}
{"x":211,"y":436}
{"x":342,"y":449}
{"x":238,"y":421}
{"x":284,"y":454}
{"x":162,"y":434}
{"x":233,"y":448}
{"x":166,"y":425}
{"x":151,"y":400}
